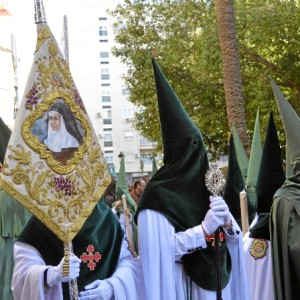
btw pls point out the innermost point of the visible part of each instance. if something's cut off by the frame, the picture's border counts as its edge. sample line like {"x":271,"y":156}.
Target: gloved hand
{"x":98,"y":289}
{"x":55,"y":274}
{"x":216,"y":215}
{"x":219,"y":203}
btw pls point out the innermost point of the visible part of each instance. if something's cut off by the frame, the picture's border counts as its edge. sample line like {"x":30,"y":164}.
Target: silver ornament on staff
{"x":215,"y":182}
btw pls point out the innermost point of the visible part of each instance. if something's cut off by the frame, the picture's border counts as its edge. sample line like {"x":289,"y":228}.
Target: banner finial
{"x":39,"y":12}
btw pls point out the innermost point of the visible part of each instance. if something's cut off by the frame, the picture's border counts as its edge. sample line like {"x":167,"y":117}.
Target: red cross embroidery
{"x":222,"y":236}
{"x":90,"y":257}
{"x":210,"y":239}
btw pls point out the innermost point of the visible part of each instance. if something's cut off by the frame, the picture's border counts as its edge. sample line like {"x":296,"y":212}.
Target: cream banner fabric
{"x":54,"y":164}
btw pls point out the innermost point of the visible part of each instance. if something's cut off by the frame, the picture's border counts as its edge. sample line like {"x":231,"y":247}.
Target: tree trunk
{"x":231,"y":69}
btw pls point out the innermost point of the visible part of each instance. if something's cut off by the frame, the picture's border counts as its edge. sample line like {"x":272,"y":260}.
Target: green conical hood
{"x":254,"y":162}
{"x":177,"y":190}
{"x":241,"y":155}
{"x":154,"y":166}
{"x":271,"y":174}
{"x":176,"y":125}
{"x":291,"y":125}
{"x":234,"y":183}
{"x":122,"y":187}
{"x":4,"y":139}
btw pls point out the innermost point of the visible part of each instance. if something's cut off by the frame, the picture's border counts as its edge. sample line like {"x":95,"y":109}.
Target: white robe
{"x":260,"y":272}
{"x":161,"y":250}
{"x":28,"y":276}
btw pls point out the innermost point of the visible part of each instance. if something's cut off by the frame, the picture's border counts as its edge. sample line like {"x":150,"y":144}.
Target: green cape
{"x":101,"y":229}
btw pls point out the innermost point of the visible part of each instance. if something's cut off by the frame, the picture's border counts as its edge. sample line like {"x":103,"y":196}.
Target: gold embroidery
{"x":42,"y":37}
{"x":39,"y":191}
{"x":60,"y":194}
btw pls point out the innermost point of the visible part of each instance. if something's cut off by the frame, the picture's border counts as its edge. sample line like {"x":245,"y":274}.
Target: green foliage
{"x":183,"y":37}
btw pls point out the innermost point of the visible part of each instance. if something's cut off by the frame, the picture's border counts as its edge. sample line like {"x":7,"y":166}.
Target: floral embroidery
{"x":32,"y":97}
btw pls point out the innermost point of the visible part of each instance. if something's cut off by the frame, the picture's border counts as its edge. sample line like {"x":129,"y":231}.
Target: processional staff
{"x":215,"y":182}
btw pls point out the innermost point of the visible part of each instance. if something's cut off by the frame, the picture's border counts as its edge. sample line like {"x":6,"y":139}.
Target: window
{"x":103,"y":31}
{"x":106,"y":99}
{"x":105,"y":74}
{"x":145,"y":142}
{"x":107,"y":113}
{"x":128,"y":135}
{"x":104,"y":54}
{"x":103,"y":41}
{"x":102,"y":19}
{"x":124,"y":91}
{"x":107,"y":116}
{"x":106,"y":107}
{"x":108,"y":142}
{"x":128,"y":113}
{"x":105,"y":96}
{"x":105,"y":84}
{"x":104,"y":62}
{"x":109,"y":156}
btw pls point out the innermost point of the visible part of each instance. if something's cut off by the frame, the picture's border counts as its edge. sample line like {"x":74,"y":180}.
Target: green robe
{"x":13,"y":217}
{"x":284,"y":228}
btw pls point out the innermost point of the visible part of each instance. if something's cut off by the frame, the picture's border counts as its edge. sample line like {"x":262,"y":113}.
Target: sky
{"x":22,"y":25}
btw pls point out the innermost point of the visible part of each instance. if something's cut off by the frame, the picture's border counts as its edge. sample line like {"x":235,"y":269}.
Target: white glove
{"x":97,"y":290}
{"x":55,"y":274}
{"x":220,"y":204}
{"x":216,"y":215}
{"x":212,"y":221}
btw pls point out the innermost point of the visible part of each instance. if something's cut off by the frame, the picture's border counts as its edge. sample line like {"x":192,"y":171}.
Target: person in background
{"x":138,"y":188}
{"x":176,"y":217}
{"x":257,"y":246}
{"x":285,"y":211}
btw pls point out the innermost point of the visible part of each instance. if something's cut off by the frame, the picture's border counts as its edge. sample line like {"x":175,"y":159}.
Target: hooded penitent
{"x":122,"y":187}
{"x":177,"y":189}
{"x":234,"y":184}
{"x":240,"y":156}
{"x":270,"y":179}
{"x":154,"y":166}
{"x":285,"y":211}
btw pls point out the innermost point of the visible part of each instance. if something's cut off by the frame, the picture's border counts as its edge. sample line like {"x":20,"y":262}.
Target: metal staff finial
{"x":214,"y":180}
{"x":39,"y":12}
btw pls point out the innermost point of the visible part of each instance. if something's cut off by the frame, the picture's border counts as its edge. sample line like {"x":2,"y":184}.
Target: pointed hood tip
{"x":176,"y":124}
{"x":291,"y":125}
{"x":271,"y":174}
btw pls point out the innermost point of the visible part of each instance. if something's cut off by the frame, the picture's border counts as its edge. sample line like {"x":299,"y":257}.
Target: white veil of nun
{"x":57,"y":140}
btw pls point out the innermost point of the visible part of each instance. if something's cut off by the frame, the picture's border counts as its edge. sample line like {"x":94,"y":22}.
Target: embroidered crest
{"x":258,"y":248}
{"x":91,"y":257}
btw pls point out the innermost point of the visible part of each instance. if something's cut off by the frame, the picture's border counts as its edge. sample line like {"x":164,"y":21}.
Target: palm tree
{"x":231,"y":69}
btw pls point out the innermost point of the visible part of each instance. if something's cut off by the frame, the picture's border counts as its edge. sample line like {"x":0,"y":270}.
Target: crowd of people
{"x":169,"y":238}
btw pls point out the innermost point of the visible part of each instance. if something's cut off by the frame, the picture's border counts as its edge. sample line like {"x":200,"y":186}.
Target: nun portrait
{"x":63,"y":135}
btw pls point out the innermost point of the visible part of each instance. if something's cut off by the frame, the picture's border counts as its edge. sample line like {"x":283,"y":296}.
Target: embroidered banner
{"x":54,"y":164}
